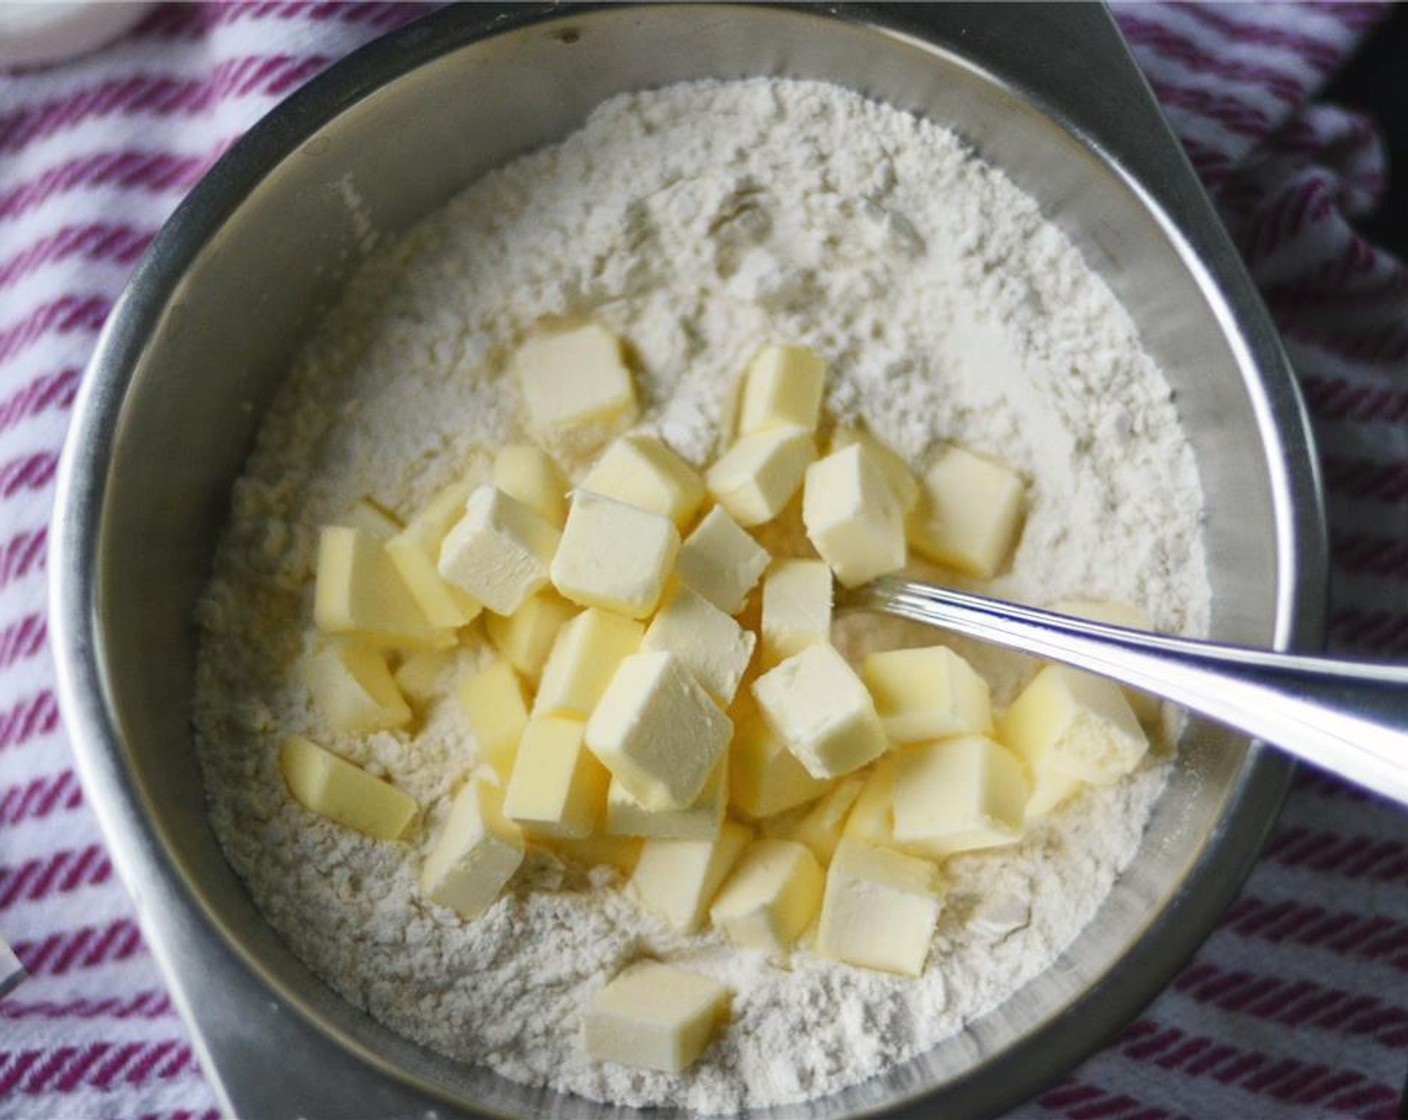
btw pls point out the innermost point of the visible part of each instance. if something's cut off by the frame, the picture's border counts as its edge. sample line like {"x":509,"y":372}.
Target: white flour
{"x":697,"y":221}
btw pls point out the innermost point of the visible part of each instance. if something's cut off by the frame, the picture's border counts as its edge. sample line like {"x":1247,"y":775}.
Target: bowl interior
{"x":228,"y":327}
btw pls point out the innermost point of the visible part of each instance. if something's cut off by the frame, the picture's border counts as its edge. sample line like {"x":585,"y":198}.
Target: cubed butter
{"x":710,"y":643}
{"x":678,"y":879}
{"x":476,"y":853}
{"x":1147,"y":707}
{"x":526,"y":637}
{"x":969,"y":513}
{"x":757,"y":476}
{"x":1075,"y":724}
{"x":872,"y":818}
{"x":584,"y":657}
{"x":720,"y":561}
{"x":614,"y":556}
{"x":576,"y":386}
{"x":771,"y":896}
{"x":642,"y":472}
{"x":853,"y":518}
{"x":1050,"y":790}
{"x":494,"y":703}
{"x":332,"y":787}
{"x":499,"y":551}
{"x":820,"y":826}
{"x":782,"y":386}
{"x":879,"y":909}
{"x":764,"y":776}
{"x":699,"y":820}
{"x":819,"y":708}
{"x":360,"y":594}
{"x":557,"y":787}
{"x":528,"y":473}
{"x":620,"y":852}
{"x":369,"y":516}
{"x":422,"y":676}
{"x":657,"y":730}
{"x":927,"y":693}
{"x":958,"y":795}
{"x":415,"y":551}
{"x":353,"y":688}
{"x":653,"y":1016}
{"x":797,"y":598}
{"x":897,"y":472}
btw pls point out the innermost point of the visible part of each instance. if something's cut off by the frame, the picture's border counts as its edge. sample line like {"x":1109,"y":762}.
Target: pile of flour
{"x":698,"y":222}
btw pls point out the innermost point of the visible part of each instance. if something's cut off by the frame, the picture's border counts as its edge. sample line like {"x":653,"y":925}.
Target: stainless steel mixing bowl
{"x":232,"y":286}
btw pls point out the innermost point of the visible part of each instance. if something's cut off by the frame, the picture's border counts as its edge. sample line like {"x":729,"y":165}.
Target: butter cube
{"x":476,"y":853}
{"x":700,"y":820}
{"x":575,"y":385}
{"x":927,"y":693}
{"x":783,"y":386}
{"x":796,"y":608}
{"x":879,"y":910}
{"x":771,"y":896}
{"x":958,"y":795}
{"x":655,"y":1017}
{"x":416,"y":549}
{"x":969,"y":514}
{"x":852,"y":516}
{"x":1147,"y":707}
{"x":678,"y":879}
{"x":710,"y":643}
{"x":1075,"y":724}
{"x":1050,"y":790}
{"x":764,"y":776}
{"x":557,"y":787}
{"x":499,"y":551}
{"x":656,"y":730}
{"x":720,"y":561}
{"x":369,"y":516}
{"x":816,"y":704}
{"x":526,"y":637}
{"x":360,"y":594}
{"x":585,"y":656}
{"x":620,"y":852}
{"x":422,"y":675}
{"x":332,"y":787}
{"x":498,"y":714}
{"x":821,"y":825}
{"x":614,"y":556}
{"x":897,"y":472}
{"x":354,"y":689}
{"x":528,"y":473}
{"x":642,"y":472}
{"x":757,"y":476}
{"x":872,"y":818}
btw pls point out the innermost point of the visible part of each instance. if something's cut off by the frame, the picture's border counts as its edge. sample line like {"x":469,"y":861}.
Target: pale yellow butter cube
{"x":678,"y":879}
{"x":710,"y":643}
{"x":1147,"y":707}
{"x":576,"y":386}
{"x":853,"y":518}
{"x":782,"y":386}
{"x":1050,"y":791}
{"x":415,"y":551}
{"x":927,"y":693}
{"x":757,"y":476}
{"x":499,"y":551}
{"x":820,"y":827}
{"x":797,"y":597}
{"x":879,"y":910}
{"x":620,"y":852}
{"x":655,"y":1017}
{"x":332,"y":787}
{"x":764,"y":776}
{"x":970,"y":513}
{"x":699,"y":820}
{"x":529,"y":474}
{"x":369,"y":516}
{"x":614,"y":556}
{"x":872,"y":817}
{"x":584,"y":657}
{"x":354,"y":689}
{"x":497,"y":711}
{"x":422,"y":676}
{"x":657,"y":730}
{"x":360,"y":594}
{"x":557,"y":787}
{"x":816,"y":704}
{"x":476,"y":853}
{"x":958,"y":795}
{"x":526,"y":637}
{"x":771,"y":896}
{"x":721,"y":562}
{"x":642,"y":472}
{"x":897,"y":472}
{"x":1075,"y":724}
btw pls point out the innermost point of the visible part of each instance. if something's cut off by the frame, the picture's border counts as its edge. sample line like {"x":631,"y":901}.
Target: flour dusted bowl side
{"x":246,"y":268}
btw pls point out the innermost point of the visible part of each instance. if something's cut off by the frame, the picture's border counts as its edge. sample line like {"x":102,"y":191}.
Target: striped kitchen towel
{"x":1297,"y":1007}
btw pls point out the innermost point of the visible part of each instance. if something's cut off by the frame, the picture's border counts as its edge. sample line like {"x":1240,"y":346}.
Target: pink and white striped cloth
{"x":1296,"y":1008}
